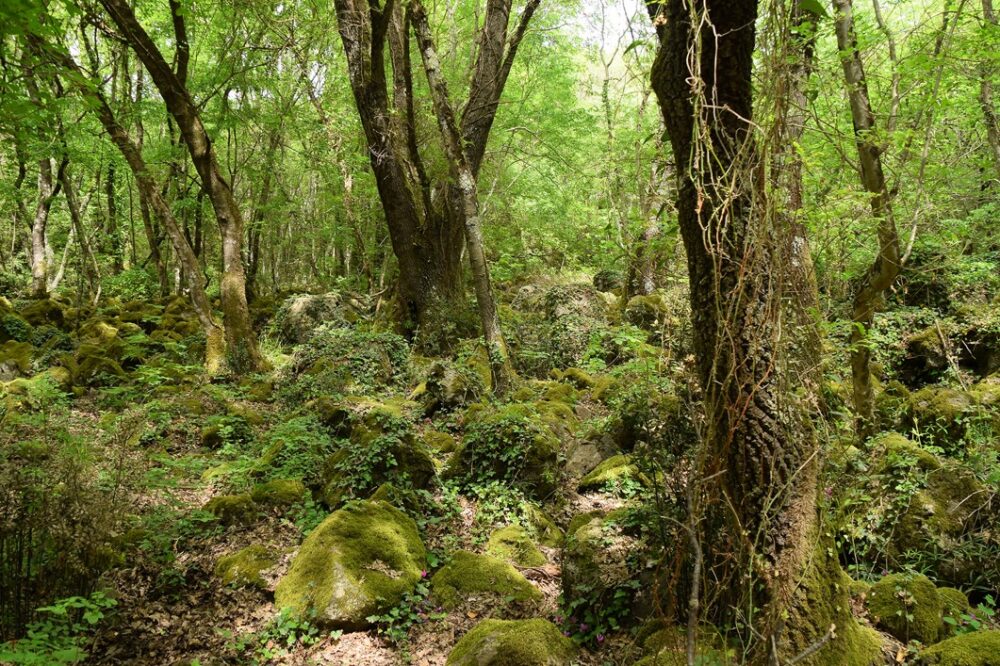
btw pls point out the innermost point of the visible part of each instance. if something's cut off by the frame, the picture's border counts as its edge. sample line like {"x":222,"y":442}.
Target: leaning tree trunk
{"x":885,"y":268}
{"x":496,"y":347}
{"x":760,"y":457}
{"x":241,"y":342}
{"x":91,"y":269}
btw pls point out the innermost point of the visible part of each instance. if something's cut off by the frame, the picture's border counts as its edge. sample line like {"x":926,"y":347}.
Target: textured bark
{"x":427,"y":232}
{"x":885,"y":269}
{"x":500,"y":365}
{"x":761,"y":457}
{"x":243,"y":352}
{"x":91,"y":269}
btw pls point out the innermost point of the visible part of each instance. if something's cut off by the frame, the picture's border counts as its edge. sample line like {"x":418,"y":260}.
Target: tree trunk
{"x":90,"y":267}
{"x":241,"y":342}
{"x":47,"y":191}
{"x":110,"y":186}
{"x":496,"y":347}
{"x":986,"y":96}
{"x":426,"y":233}
{"x":883,"y":272}
{"x":149,"y":196}
{"x":760,"y":456}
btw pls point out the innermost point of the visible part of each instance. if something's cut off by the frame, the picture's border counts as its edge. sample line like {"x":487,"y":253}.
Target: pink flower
{"x":423,"y":573}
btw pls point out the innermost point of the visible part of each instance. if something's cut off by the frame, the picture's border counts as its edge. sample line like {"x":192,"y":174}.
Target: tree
{"x":986,"y":94}
{"x":496,"y":347}
{"x":426,"y":219}
{"x":761,"y":454}
{"x":883,"y":271}
{"x":241,"y":343}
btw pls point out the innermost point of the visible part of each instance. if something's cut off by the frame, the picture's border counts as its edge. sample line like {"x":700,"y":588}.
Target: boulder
{"x":907,"y":606}
{"x":232,"y":509}
{"x":534,"y":642}
{"x":15,"y":360}
{"x":513,"y":544}
{"x":358,"y":562}
{"x":243,"y":567}
{"x":299,"y":315}
{"x":279,"y":493}
{"x":448,"y":386}
{"x":613,"y":474}
{"x":469,"y":574}
{"x":979,"y":648}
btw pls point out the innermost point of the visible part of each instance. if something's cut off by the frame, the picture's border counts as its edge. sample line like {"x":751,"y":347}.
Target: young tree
{"x":241,"y":343}
{"x":426,"y":219}
{"x":885,"y":269}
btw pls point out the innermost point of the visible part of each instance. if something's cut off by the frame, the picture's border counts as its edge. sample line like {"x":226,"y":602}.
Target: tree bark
{"x":885,"y":269}
{"x":91,"y":269}
{"x":759,"y":456}
{"x":242,"y":350}
{"x":427,"y":232}
{"x":496,"y":347}
{"x":986,"y":96}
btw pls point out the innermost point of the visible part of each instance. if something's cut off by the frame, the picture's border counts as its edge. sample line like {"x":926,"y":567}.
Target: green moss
{"x":646,"y":312}
{"x":534,"y":642}
{"x":360,"y":561}
{"x":612,"y":473}
{"x":577,"y":377}
{"x":514,"y":444}
{"x":279,"y":492}
{"x":14,"y":328}
{"x":898,"y":451}
{"x":581,"y":519}
{"x":955,"y":604}
{"x":232,"y":509}
{"x":243,"y":567}
{"x":44,"y":311}
{"x":668,"y":647}
{"x":15,"y":357}
{"x":907,"y":606}
{"x":435,"y":440}
{"x":938,"y":412}
{"x":859,"y":589}
{"x":513,"y":544}
{"x":544,"y":528}
{"x":979,"y":648}
{"x":468,"y":573}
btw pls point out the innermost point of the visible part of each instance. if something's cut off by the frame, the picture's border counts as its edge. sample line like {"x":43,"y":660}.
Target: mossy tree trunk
{"x":242,"y":350}
{"x":501,"y":370}
{"x":885,"y":268}
{"x":769,"y":562}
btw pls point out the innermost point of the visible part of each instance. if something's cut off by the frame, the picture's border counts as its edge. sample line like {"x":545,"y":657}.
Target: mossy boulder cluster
{"x":908,"y":607}
{"x":513,"y":643}
{"x":358,"y":562}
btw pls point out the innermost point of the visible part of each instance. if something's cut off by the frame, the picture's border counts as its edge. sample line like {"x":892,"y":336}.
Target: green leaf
{"x":814,"y":7}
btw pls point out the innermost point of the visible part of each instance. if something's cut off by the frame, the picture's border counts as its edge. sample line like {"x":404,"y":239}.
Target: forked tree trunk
{"x":425,"y":219}
{"x":885,"y":269}
{"x":241,"y":342}
{"x":496,"y":347}
{"x":760,"y":458}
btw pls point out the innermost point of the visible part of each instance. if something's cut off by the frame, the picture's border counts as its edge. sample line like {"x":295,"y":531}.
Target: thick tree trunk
{"x":427,"y":232}
{"x":243,"y":352}
{"x":496,"y":347}
{"x":760,"y":454}
{"x":884,"y":270}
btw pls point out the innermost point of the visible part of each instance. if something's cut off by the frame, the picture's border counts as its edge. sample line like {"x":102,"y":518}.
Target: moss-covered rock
{"x":279,"y":492}
{"x":980,"y":648}
{"x":612,"y":474}
{"x":232,"y":509}
{"x":300,"y":314}
{"x":13,"y":327}
{"x":534,"y":642}
{"x":435,"y":440}
{"x":513,"y":544}
{"x":44,"y":311}
{"x":15,"y":359}
{"x":907,"y":606}
{"x":939,"y":412}
{"x":359,"y":561}
{"x":513,"y":444}
{"x":955,"y":604}
{"x":599,"y":560}
{"x":244,"y":566}
{"x":646,"y":312}
{"x":545,"y":530}
{"x":668,"y":647}
{"x":448,"y":386}
{"x":471,"y":574}
{"x":383,"y":447}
